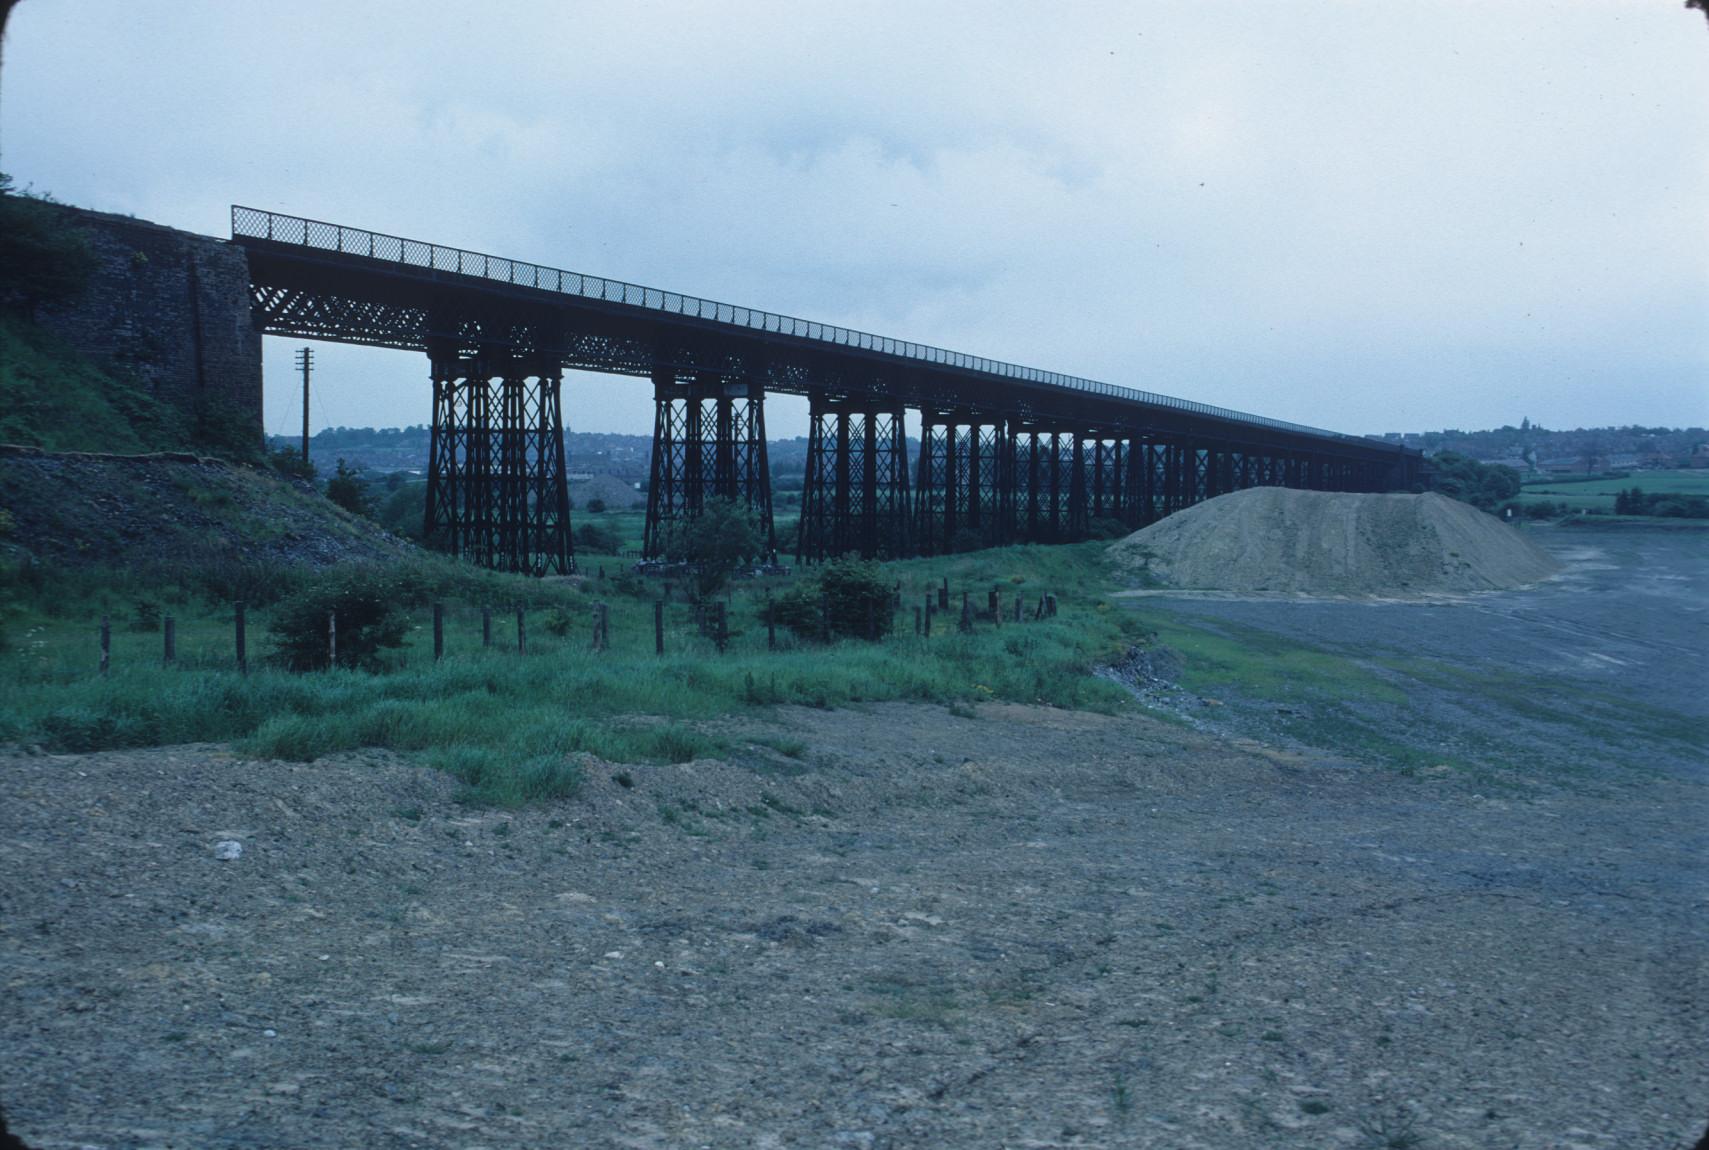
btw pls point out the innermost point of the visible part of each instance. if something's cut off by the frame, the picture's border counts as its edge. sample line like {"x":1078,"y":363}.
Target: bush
{"x":289,"y":462}
{"x":852,"y":592}
{"x":596,"y":506}
{"x":368,"y":622}
{"x":717,"y":541}
{"x":1107,"y":527}
{"x":598,"y":537}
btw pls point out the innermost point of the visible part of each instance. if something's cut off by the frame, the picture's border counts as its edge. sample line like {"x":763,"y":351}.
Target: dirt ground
{"x":885,"y":927}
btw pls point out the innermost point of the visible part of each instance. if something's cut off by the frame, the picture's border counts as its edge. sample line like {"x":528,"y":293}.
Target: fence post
{"x":659,"y":626}
{"x":825,"y":618}
{"x":170,"y":625}
{"x":438,"y":631}
{"x":928,"y":631}
{"x":722,"y":634}
{"x":521,"y":633}
{"x":332,"y":640}
{"x":770,"y":623}
{"x":996,"y":617}
{"x":1017,"y":608}
{"x":916,"y":620}
{"x":106,"y":643}
{"x":486,"y":626}
{"x":598,"y":611}
{"x":943,"y":595}
{"x":1050,"y":606}
{"x":242,"y":658}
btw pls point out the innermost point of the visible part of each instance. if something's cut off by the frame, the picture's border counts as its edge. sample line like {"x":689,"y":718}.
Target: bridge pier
{"x":855,"y":495}
{"x":496,"y":484}
{"x":708,"y":443}
{"x":965,"y":486}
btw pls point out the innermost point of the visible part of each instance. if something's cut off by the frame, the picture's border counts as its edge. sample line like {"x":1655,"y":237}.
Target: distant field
{"x":1599,"y":493}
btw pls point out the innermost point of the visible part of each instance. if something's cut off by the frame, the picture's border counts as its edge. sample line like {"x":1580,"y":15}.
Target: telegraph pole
{"x":305,"y":360}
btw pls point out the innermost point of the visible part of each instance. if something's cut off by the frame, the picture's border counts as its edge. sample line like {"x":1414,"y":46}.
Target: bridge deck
{"x":322,"y":280}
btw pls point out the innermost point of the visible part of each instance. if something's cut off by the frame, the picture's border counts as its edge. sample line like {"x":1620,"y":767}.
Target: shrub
{"x":1107,"y":527}
{"x":596,"y":506}
{"x":851,"y":592}
{"x":368,"y":623}
{"x":289,"y":462}
{"x":717,"y":541}
{"x":598,"y":537}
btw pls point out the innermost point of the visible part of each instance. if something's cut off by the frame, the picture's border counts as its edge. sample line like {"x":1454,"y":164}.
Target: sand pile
{"x":1329,"y":543}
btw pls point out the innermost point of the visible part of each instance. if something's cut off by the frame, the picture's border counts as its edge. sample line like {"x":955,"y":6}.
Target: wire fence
{"x":255,"y":223}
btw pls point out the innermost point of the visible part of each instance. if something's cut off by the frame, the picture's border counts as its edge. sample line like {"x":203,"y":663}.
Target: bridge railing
{"x":255,"y":223}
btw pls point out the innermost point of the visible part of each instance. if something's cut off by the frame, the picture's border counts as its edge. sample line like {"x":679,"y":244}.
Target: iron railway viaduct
{"x":1006,"y":453}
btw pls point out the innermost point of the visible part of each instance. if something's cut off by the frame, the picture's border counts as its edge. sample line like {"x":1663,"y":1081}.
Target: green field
{"x":1598,"y":494}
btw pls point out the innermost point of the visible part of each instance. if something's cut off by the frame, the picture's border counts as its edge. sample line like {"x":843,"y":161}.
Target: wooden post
{"x":242,"y":656}
{"x":943,"y":595}
{"x":896,"y":597}
{"x":993,"y":605}
{"x":332,"y":639}
{"x":598,"y":626}
{"x":825,"y":618}
{"x":928,"y":630}
{"x":1050,"y":606}
{"x":438,"y":631}
{"x":965,"y":624}
{"x":722,"y":635}
{"x":521,"y":632}
{"x":1017,"y":608}
{"x":170,"y":626}
{"x":486,"y":626}
{"x":659,"y":626}
{"x":916,"y":621}
{"x":770,"y":623}
{"x":106,"y":643}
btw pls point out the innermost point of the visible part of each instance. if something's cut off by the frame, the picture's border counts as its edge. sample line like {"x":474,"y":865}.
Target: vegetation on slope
{"x":509,"y":723}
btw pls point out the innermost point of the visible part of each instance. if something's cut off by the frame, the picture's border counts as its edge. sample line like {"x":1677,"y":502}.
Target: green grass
{"x":511,"y":726}
{"x":1598,"y":494}
{"x":54,"y":397}
{"x":1262,"y":665}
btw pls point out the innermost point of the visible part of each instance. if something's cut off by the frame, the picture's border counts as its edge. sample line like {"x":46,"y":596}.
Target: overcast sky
{"x":1363,"y":216}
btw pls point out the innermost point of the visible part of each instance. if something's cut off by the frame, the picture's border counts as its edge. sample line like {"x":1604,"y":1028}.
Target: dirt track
{"x":1032,"y":928}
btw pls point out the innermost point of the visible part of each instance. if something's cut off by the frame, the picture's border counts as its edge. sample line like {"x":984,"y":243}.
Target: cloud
{"x":1356,"y":215}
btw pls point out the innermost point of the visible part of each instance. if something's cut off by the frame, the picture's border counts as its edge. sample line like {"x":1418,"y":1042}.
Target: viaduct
{"x":1006,"y":453}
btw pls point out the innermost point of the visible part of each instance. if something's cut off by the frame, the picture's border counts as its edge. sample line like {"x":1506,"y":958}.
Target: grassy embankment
{"x":509,"y":724}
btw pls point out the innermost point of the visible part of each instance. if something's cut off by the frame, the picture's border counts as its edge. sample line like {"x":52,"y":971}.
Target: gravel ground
{"x":883,"y":927}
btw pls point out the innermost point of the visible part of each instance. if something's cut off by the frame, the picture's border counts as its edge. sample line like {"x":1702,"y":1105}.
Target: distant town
{"x":1530,"y":449}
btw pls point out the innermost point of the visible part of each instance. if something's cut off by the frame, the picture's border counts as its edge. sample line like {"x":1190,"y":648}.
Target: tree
{"x":345,"y":489}
{"x":716,"y":541}
{"x":1484,"y":485}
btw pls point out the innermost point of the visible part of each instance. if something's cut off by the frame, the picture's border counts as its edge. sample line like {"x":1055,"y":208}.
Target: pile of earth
{"x":1334,"y":543}
{"x":169,"y":510}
